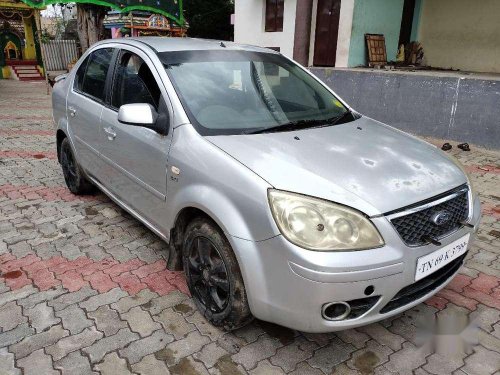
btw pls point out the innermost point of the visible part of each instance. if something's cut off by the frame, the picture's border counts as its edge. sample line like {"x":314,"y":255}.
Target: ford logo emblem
{"x":440,"y":218}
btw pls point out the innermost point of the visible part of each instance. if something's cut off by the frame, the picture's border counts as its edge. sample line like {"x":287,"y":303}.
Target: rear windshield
{"x":237,"y":92}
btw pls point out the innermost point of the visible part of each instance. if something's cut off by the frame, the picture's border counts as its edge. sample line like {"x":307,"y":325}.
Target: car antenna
{"x":222,"y":44}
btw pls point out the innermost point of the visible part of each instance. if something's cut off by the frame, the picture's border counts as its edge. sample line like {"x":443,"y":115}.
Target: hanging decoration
{"x":168,"y":8}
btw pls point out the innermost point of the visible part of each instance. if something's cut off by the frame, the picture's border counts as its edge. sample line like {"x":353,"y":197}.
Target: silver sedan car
{"x":277,"y":199}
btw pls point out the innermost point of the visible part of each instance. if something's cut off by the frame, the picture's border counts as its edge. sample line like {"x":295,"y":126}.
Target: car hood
{"x":363,"y":164}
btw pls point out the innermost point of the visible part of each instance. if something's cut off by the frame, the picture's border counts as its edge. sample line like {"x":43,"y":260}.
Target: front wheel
{"x":213,"y":276}
{"x":73,"y":175}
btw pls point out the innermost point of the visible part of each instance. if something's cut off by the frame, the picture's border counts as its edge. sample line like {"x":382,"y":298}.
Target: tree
{"x":209,"y":19}
{"x":90,"y":25}
{"x":59,"y":23}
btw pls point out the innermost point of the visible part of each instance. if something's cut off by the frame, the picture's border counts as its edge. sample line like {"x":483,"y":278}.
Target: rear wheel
{"x":213,"y":276}
{"x":73,"y":175}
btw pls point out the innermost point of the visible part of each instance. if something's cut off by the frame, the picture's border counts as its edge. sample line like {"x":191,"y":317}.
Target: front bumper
{"x":288,"y":285}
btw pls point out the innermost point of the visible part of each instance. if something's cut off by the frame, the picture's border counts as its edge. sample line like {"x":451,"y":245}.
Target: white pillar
{"x":344,"y":35}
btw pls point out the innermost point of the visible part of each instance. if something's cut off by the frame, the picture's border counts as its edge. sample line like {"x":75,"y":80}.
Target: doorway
{"x":327,"y":30}
{"x":406,"y":22}
{"x":10,"y":47}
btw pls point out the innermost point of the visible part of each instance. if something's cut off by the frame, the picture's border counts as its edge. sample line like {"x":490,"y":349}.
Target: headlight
{"x":316,"y":224}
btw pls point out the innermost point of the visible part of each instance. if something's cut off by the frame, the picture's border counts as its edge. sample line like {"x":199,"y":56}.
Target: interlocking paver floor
{"x":84,"y":288}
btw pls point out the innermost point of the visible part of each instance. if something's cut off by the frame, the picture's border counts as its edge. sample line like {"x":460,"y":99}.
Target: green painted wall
{"x":416,"y":20}
{"x":375,"y":17}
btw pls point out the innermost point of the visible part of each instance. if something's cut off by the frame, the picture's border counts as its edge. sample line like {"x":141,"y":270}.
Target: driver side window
{"x":134,"y":82}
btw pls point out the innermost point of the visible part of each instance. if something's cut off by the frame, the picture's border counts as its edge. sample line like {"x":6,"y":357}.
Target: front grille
{"x":422,"y":287}
{"x":414,"y":228}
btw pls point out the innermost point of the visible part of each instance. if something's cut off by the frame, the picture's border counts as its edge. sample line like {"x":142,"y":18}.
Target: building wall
{"x":375,"y":17}
{"x":250,"y":21}
{"x":29,"y":40}
{"x":4,"y":72}
{"x":461,"y":34}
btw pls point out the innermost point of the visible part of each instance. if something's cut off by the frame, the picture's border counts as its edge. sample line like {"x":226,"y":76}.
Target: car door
{"x":135,"y":168}
{"x":85,"y":103}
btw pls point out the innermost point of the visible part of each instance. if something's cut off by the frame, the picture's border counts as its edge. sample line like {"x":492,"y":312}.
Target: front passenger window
{"x":134,"y":82}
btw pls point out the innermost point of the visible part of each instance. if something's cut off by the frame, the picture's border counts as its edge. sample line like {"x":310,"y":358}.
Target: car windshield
{"x":242,"y":92}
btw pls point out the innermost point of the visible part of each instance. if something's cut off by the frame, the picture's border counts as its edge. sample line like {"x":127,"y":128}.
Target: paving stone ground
{"x":84,"y":288}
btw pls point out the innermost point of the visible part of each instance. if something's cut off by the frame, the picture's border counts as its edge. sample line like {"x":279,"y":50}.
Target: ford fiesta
{"x":277,"y":199}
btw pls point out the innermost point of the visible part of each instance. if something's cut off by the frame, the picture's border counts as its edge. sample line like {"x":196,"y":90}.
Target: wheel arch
{"x":182,"y":220}
{"x":224,"y":210}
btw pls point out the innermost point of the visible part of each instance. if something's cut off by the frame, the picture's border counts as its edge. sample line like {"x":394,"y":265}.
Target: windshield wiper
{"x":292,"y":125}
{"x":301,"y":124}
{"x":340,"y":119}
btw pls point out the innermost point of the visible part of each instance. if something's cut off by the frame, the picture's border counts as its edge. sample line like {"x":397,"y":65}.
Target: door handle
{"x":72,"y":111}
{"x":110,"y":132}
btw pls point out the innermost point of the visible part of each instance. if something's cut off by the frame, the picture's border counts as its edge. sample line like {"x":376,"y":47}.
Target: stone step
{"x":24,"y":67}
{"x":20,"y":62}
{"x":27,"y":72}
{"x":29,"y":75}
{"x":39,"y":78}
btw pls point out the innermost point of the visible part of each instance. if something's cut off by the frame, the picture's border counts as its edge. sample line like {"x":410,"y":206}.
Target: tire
{"x":213,"y":276}
{"x":73,"y":175}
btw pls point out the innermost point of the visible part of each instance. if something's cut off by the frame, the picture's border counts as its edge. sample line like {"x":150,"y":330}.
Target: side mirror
{"x":138,"y":114}
{"x":60,"y":77}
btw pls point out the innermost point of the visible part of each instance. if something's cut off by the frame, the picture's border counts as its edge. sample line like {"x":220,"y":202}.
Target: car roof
{"x":168,"y":44}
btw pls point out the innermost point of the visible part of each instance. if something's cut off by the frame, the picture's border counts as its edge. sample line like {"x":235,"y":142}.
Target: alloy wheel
{"x":208,"y":274}
{"x":69,"y":167}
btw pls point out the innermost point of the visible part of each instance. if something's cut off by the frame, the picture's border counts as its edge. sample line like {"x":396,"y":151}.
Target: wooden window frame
{"x":274,"y":15}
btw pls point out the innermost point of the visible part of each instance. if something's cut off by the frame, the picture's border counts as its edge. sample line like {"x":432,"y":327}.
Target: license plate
{"x":439,"y":258}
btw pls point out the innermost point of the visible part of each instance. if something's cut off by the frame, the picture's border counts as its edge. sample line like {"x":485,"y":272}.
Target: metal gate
{"x":59,"y":53}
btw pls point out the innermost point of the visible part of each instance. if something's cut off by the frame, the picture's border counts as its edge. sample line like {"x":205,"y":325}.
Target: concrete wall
{"x":456,"y":108}
{"x":375,"y":17}
{"x":249,"y":25}
{"x":462,"y":34}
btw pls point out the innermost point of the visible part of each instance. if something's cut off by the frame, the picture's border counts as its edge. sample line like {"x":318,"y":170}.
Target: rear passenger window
{"x":80,"y":73}
{"x":134,"y":82}
{"x":95,"y":74}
